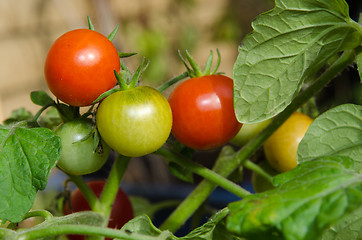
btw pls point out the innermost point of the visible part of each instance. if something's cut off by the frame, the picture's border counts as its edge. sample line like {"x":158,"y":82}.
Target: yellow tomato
{"x":281,"y":147}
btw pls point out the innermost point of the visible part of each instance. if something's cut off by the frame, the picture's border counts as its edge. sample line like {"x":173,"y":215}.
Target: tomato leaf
{"x":208,"y":231}
{"x":288,"y":45}
{"x":26,"y":158}
{"x":338,"y":131}
{"x":348,"y":228}
{"x":41,"y":98}
{"x":18,"y":115}
{"x":359,"y":64}
{"x":307,"y":200}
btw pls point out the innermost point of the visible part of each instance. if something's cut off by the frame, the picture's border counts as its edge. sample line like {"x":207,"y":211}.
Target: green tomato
{"x":249,"y":131}
{"x":78,"y":157}
{"x":135,"y":122}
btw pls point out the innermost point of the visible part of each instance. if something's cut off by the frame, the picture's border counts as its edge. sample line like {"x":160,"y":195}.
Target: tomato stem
{"x":204,"y":172}
{"x":85,"y":189}
{"x":257,"y":169}
{"x":225,"y":164}
{"x":112,"y":185}
{"x":39,"y":233}
{"x":39,"y":213}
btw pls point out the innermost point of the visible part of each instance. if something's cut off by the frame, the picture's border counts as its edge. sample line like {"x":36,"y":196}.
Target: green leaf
{"x":338,"y":131}
{"x":26,"y":158}
{"x":307,"y":201}
{"x":288,"y":45}
{"x":18,"y":115}
{"x":41,"y":98}
{"x":348,"y":228}
{"x":86,"y":218}
{"x":359,"y":64}
{"x":143,"y":225}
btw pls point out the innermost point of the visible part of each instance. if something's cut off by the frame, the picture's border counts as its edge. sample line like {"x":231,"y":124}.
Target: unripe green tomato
{"x":260,"y":184}
{"x":249,"y":131}
{"x":78,"y":157}
{"x":281,"y":148}
{"x":135,"y":122}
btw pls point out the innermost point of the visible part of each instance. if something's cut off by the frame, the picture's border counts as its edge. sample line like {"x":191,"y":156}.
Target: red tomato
{"x":121,"y":213}
{"x":203,"y":112}
{"x":80,"y":66}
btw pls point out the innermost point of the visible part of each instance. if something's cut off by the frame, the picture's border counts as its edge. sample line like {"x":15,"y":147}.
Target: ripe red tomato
{"x":203,"y":112}
{"x":80,"y":66}
{"x":121,"y":213}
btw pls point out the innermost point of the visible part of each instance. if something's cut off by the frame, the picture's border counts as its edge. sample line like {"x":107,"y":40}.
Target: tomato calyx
{"x":125,"y":79}
{"x":194,"y":70}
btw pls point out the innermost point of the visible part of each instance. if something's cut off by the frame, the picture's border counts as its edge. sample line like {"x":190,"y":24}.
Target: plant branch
{"x":204,"y":172}
{"x":257,"y":169}
{"x":112,"y":185}
{"x":85,"y":189}
{"x":81,"y":230}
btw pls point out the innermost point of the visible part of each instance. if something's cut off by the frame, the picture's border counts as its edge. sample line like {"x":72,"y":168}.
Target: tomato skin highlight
{"x":281,"y":148}
{"x":79,"y":158}
{"x":135,"y":122}
{"x":80,"y":66}
{"x":203,"y":112}
{"x":121,"y":213}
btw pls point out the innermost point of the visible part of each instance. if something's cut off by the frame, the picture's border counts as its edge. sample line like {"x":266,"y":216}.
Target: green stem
{"x":85,"y":189}
{"x":39,"y":213}
{"x":204,"y":189}
{"x":37,"y":115}
{"x":256,"y":168}
{"x":204,"y":172}
{"x":223,"y":166}
{"x":114,"y":180}
{"x":173,"y":81}
{"x":81,"y":230}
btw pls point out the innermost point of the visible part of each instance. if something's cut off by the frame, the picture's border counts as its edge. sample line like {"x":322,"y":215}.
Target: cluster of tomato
{"x":134,"y":121}
{"x":137,"y":120}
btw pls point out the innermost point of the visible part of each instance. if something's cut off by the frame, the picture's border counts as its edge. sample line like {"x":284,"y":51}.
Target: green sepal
{"x":105,"y":94}
{"x":90,"y":24}
{"x":113,"y":33}
{"x":194,"y":69}
{"x":125,"y":55}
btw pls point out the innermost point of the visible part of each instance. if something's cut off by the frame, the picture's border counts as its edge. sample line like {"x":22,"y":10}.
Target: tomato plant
{"x":135,"y":122}
{"x":79,"y":66}
{"x":281,"y":65}
{"x":78,"y":155}
{"x":203,"y":112}
{"x":121,"y":212}
{"x":281,"y":147}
